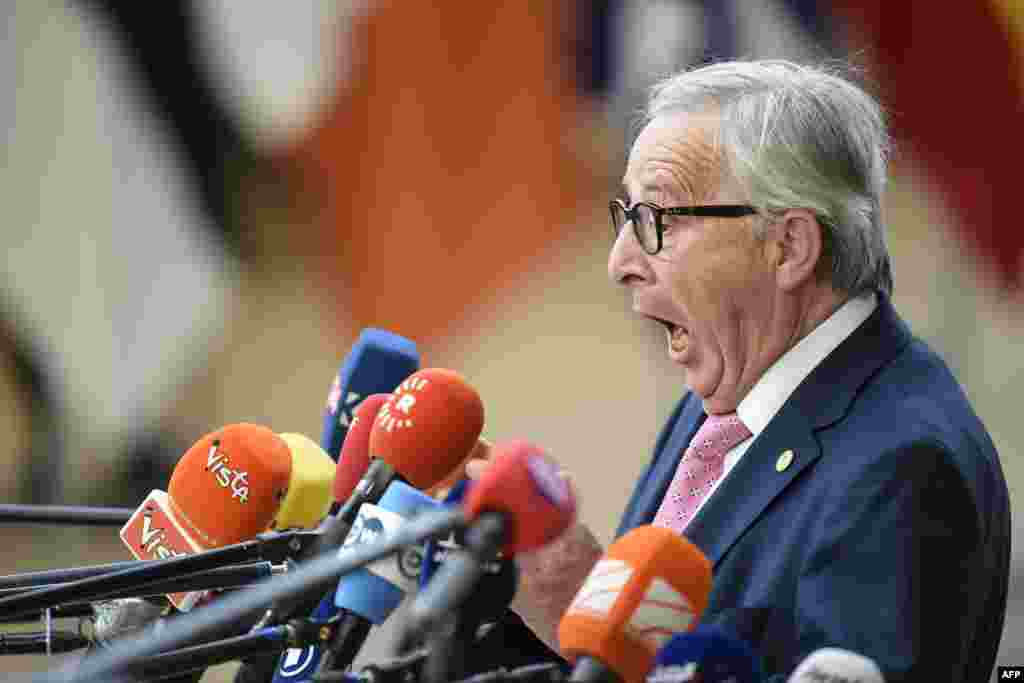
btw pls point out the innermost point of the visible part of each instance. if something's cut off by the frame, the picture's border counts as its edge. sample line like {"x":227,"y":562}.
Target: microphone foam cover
{"x":708,"y":650}
{"x":355,"y":451}
{"x":308,"y":499}
{"x":428,"y":426}
{"x":650,"y":584}
{"x":836,"y":664}
{"x":229,"y":485}
{"x":523,"y":482}
{"x":153,"y":532}
{"x":377,"y":363}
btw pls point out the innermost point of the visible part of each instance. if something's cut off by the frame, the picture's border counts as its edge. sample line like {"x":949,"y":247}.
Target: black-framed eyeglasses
{"x":647,"y":218}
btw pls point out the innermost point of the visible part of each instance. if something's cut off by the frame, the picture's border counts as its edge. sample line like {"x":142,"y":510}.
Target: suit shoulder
{"x":917,"y":399}
{"x":913,"y":408}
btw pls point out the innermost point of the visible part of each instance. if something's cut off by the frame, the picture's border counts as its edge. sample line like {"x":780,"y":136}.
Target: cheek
{"x":715,"y":285}
{"x":707,"y":280}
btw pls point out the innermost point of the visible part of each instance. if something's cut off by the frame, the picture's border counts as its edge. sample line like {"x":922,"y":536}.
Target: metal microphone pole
{"x":76,"y":515}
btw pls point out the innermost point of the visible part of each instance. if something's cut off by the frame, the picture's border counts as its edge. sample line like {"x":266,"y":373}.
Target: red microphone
{"x":524,"y":486}
{"x":354,"y":459}
{"x":428,"y":426}
{"x":421,"y":433}
{"x":520,"y":503}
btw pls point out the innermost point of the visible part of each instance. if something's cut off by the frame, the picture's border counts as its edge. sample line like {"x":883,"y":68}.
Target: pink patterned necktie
{"x":702,"y":465}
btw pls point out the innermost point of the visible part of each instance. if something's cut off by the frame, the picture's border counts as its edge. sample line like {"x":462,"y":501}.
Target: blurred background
{"x":205,"y":202}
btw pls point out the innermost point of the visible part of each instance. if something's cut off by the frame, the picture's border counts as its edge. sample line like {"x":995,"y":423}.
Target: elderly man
{"x":824,"y":459}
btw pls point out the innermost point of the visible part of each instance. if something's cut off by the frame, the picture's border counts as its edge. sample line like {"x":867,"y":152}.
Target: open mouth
{"x":678,"y":336}
{"x":667,"y":324}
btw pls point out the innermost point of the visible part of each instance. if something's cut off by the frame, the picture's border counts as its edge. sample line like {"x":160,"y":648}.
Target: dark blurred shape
{"x":40,"y":470}
{"x":599,"y":48}
{"x":159,"y":40}
{"x":722,"y":20}
{"x":146,"y":464}
{"x":815,"y":18}
{"x":720,"y":31}
{"x":951,"y":79}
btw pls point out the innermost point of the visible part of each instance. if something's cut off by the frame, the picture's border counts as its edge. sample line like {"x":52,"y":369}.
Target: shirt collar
{"x":766,"y":398}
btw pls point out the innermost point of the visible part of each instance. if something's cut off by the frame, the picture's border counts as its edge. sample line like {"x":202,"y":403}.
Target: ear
{"x":800,"y":243}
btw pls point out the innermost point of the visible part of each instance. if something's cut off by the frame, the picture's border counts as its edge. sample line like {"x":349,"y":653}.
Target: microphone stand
{"x":78,"y":515}
{"x":50,"y":576}
{"x":275,"y":639}
{"x":448,"y":646}
{"x":273,"y":547}
{"x":241,"y":604}
{"x":41,"y":642}
{"x":401,"y":669}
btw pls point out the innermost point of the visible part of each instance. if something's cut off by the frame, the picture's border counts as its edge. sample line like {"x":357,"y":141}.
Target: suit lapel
{"x":753,"y":483}
{"x":648,"y":497}
{"x":823,"y":398}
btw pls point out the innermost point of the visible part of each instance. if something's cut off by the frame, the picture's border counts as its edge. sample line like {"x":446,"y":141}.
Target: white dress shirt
{"x":778,"y":383}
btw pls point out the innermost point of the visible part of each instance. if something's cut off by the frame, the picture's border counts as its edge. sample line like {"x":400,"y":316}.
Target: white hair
{"x":797,"y":136}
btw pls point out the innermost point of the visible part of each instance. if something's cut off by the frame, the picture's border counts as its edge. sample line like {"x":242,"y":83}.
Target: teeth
{"x":678,"y":339}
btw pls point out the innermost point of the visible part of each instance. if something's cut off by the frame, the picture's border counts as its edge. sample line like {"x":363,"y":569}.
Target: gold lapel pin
{"x":784,"y":461}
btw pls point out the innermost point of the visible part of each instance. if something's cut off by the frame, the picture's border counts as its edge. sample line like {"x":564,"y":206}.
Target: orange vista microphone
{"x":651,"y":584}
{"x":225,"y":489}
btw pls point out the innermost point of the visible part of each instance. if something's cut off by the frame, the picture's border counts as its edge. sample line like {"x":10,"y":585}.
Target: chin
{"x":717,"y":399}
{"x":719,"y":407}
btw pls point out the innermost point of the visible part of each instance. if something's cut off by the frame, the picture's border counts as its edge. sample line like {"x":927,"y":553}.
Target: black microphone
{"x":450,"y":644}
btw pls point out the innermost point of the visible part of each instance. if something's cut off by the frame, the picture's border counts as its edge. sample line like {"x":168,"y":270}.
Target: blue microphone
{"x":708,"y":654}
{"x":378,"y":362}
{"x":376,"y":590}
{"x":367,"y":596}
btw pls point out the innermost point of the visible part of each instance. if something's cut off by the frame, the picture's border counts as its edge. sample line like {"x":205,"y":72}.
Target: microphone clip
{"x":280,"y":546}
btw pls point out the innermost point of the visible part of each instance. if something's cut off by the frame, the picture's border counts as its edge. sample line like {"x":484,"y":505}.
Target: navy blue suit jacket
{"x":887,"y":535}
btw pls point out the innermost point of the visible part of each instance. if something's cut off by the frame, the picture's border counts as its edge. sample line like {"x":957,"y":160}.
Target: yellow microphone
{"x":310,"y":487}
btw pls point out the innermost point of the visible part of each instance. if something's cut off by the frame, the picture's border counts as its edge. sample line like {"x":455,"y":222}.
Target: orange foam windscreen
{"x":229,"y":485}
{"x":428,"y":426}
{"x":651,"y":584}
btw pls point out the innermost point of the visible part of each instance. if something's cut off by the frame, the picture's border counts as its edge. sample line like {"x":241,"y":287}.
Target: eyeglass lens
{"x":645,"y":227}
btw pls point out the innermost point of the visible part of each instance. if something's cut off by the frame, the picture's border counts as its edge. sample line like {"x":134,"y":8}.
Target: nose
{"x":627,"y":261}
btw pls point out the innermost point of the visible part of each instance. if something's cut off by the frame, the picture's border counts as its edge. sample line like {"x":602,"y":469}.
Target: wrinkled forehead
{"x":676,"y":156}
